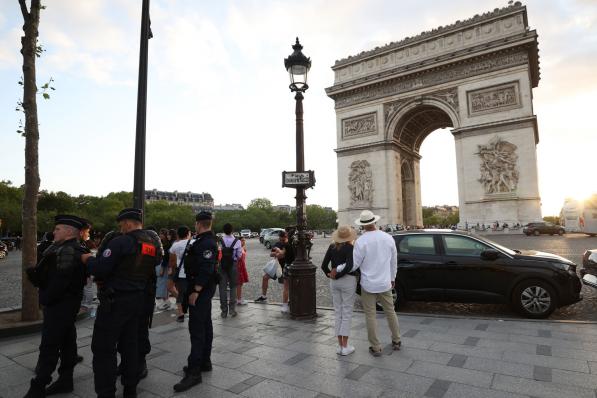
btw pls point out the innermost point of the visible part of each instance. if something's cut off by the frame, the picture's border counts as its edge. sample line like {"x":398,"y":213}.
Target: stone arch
{"x":414,"y":107}
{"x":476,"y":77}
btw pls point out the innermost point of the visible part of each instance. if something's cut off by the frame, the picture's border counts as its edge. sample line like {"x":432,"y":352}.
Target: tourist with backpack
{"x":231,"y":250}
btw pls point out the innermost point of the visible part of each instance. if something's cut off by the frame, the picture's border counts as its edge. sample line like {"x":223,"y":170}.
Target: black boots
{"x":129,"y":392}
{"x":191,"y":378}
{"x":63,"y":385}
{"x":36,"y":390}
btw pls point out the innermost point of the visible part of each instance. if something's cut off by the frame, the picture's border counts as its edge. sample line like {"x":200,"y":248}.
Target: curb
{"x":30,"y":327}
{"x":484,"y":318}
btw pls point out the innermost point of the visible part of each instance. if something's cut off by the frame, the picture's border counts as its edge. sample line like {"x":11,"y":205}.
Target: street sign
{"x":295,"y":179}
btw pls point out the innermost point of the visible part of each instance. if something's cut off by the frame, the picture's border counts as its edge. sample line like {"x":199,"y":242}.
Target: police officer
{"x":146,"y":316}
{"x":60,"y":276}
{"x":123,"y":270}
{"x":200,"y":263}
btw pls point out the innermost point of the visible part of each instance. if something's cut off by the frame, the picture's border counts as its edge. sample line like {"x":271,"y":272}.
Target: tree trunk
{"x":30,"y":306}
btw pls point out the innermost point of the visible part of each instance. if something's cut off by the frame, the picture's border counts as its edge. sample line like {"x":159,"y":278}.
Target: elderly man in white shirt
{"x":376,"y":255}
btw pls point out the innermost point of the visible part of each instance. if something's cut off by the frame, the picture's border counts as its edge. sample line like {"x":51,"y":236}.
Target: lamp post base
{"x":302,"y":290}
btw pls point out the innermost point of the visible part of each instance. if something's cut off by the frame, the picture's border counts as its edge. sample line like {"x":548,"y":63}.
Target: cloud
{"x":10,"y":47}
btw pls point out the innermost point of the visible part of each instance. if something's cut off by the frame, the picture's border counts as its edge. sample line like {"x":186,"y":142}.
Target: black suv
{"x":538,"y":228}
{"x":444,"y":265}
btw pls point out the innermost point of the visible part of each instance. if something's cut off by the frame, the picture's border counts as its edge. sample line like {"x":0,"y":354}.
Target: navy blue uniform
{"x":62,"y":276}
{"x":124,"y":271}
{"x":200,"y":265}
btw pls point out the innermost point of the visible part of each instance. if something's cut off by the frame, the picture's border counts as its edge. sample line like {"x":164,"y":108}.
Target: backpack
{"x":227,"y":260}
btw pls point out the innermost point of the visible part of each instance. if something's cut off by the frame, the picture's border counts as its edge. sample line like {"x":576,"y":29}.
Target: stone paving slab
{"x":262,"y":353}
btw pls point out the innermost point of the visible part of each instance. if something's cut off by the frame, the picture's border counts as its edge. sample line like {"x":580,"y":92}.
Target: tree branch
{"x":24,"y":9}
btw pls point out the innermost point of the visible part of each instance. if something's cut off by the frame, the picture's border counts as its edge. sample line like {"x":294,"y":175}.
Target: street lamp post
{"x":302,"y":271}
{"x":139,"y":178}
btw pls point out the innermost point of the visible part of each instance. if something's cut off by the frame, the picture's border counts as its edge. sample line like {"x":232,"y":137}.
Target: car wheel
{"x":536,"y":233}
{"x":261,"y":240}
{"x":534,"y":299}
{"x":268,"y":245}
{"x":561,"y":232}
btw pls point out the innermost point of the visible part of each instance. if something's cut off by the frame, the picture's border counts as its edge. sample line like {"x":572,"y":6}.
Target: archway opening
{"x":412,"y":129}
{"x":439,"y":181}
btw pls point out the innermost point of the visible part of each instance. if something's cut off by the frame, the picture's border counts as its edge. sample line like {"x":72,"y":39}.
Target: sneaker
{"x":339,"y":350}
{"x":242,"y":302}
{"x":347,"y":350}
{"x":285,"y":309}
{"x":233,"y":313}
{"x":224,"y":314}
{"x":375,"y":353}
{"x":396,"y":345}
{"x":180,"y":318}
{"x":261,"y":299}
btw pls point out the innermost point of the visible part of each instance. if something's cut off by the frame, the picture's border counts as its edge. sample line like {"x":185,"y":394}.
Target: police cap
{"x":68,"y":219}
{"x":203,"y":216}
{"x":130,"y":213}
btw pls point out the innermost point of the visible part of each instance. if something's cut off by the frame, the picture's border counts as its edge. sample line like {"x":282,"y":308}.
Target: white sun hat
{"x":367,"y":217}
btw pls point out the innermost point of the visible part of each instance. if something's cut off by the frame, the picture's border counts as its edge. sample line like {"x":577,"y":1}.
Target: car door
{"x":419,"y":264}
{"x":469,"y":278}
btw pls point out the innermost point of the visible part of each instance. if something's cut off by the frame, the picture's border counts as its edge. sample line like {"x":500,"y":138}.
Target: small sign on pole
{"x":297,"y":179}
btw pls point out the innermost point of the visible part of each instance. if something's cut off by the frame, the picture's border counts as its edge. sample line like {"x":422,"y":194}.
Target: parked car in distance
{"x":455,"y":266}
{"x":245,"y":233}
{"x":254,"y":234}
{"x":272,"y":237}
{"x":3,"y":250}
{"x":266,"y":231}
{"x":538,"y":228}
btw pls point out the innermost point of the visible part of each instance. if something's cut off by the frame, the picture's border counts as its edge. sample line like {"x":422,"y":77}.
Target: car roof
{"x":432,"y":231}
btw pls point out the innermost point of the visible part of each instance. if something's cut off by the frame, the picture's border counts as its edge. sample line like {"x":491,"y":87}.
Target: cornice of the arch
{"x":445,"y":100}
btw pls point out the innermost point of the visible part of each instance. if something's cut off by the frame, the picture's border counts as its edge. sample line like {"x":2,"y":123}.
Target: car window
{"x":417,"y":244}
{"x":463,"y":246}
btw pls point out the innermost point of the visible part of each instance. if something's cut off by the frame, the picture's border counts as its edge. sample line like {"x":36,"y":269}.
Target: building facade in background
{"x":198,"y":201}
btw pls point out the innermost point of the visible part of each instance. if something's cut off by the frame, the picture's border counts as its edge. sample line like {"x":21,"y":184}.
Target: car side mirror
{"x":490,"y":255}
{"x":590,"y":280}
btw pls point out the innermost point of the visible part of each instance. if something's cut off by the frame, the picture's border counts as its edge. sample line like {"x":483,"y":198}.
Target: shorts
{"x":181,"y":287}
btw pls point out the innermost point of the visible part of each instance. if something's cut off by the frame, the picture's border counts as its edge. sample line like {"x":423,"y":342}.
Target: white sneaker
{"x":242,"y":302}
{"x":164,"y":305}
{"x":347,"y":350}
{"x":339,"y":350}
{"x":285,"y":309}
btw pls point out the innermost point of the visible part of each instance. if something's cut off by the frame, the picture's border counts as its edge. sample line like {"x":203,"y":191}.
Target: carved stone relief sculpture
{"x":499,"y":168}
{"x":359,"y":126}
{"x":493,"y":99}
{"x":360,"y":184}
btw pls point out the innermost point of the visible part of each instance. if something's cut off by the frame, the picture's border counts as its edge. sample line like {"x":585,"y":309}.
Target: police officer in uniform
{"x":123,"y":270}
{"x":60,"y":276}
{"x":146,"y":316}
{"x":200,"y":268}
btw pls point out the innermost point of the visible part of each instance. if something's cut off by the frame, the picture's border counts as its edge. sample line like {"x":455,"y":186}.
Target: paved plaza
{"x":262,"y":353}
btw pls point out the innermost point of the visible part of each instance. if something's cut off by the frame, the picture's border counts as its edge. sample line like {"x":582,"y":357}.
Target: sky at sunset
{"x":220,"y":115}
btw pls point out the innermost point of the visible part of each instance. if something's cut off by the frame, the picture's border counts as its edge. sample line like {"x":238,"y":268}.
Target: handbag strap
{"x":184,"y":254}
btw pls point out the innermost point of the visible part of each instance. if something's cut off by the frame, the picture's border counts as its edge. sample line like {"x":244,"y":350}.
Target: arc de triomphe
{"x":474,"y":76}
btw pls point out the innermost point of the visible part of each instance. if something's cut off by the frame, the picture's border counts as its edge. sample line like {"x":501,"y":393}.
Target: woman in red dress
{"x":243,"y":275}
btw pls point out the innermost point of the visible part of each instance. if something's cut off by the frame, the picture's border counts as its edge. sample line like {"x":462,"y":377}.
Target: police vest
{"x":139,"y":265}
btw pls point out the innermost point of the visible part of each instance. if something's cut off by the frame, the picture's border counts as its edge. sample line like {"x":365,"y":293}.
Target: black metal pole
{"x":302,"y":271}
{"x":139,"y":179}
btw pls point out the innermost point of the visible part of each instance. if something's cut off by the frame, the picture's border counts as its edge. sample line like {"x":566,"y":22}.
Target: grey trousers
{"x":228,"y":280}
{"x":343,"y":296}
